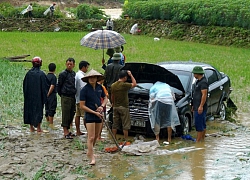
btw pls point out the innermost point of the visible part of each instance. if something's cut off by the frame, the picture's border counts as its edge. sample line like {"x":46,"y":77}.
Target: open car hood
{"x":151,"y":73}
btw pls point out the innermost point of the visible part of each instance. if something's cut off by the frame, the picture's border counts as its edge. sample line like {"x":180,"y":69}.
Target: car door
{"x":215,"y":90}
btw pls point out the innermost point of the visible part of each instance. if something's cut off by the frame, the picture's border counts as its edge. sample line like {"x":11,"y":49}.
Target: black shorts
{"x":93,"y":121}
{"x":50,"y":106}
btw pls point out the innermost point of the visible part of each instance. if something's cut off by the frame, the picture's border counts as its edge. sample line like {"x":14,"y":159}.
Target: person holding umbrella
{"x":111,"y":74}
{"x":90,"y":102}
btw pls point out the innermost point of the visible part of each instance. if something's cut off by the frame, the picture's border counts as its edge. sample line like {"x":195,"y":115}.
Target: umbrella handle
{"x":102,"y":53}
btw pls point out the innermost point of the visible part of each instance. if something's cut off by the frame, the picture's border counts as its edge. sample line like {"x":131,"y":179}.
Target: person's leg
{"x":115,"y":125}
{"x":32,"y":129}
{"x":157,"y":137}
{"x":98,"y":128}
{"x":51,"y":123}
{"x":204,"y":125}
{"x":169,"y":133}
{"x":65,"y":105}
{"x":72,"y":112}
{"x":199,"y":136}
{"x":52,"y":110}
{"x":77,"y":123}
{"x":39,"y":130}
{"x":100,"y":132}
{"x":126,"y":123}
{"x":198,"y":125}
{"x":125,"y":134}
{"x":90,"y":142}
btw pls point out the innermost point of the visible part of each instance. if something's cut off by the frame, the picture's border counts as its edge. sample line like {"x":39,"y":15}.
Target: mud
{"x":25,"y":155}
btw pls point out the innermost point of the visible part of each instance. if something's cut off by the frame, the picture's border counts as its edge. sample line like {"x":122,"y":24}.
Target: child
{"x":51,"y":104}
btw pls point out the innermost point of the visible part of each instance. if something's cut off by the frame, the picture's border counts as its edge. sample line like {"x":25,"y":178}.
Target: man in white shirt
{"x":83,"y":68}
{"x":134,"y":29}
{"x":29,"y":10}
{"x":110,"y":24}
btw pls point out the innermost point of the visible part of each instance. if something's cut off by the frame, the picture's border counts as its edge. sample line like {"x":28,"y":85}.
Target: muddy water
{"x":225,"y":155}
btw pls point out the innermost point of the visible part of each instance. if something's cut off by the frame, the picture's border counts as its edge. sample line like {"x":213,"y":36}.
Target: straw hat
{"x":92,"y":73}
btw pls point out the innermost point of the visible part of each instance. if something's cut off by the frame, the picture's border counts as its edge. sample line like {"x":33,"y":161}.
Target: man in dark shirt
{"x":51,"y":104}
{"x":200,"y":102}
{"x":111,"y":74}
{"x":67,"y":90}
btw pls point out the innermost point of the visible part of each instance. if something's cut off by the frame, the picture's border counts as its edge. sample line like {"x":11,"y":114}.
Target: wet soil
{"x":25,"y":155}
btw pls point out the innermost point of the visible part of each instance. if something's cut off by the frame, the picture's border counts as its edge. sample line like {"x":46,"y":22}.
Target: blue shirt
{"x":92,"y":97}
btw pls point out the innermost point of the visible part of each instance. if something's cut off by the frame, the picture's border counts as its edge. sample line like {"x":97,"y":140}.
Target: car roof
{"x":183,"y":65}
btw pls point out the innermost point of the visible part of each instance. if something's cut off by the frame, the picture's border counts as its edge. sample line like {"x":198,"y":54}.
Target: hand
{"x":129,"y":73}
{"x":98,"y":114}
{"x":200,"y":109}
{"x":103,"y":61}
{"x":99,"y":109}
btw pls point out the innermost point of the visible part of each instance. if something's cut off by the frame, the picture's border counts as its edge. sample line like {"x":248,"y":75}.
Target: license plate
{"x":138,"y":123}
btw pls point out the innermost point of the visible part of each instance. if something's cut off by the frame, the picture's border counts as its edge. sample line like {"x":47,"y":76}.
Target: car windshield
{"x":184,"y":77}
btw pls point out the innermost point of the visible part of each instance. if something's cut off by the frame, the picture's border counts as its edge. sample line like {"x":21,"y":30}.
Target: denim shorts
{"x":200,"y":121}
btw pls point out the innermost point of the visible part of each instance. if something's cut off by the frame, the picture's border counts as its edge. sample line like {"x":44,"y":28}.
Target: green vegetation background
{"x":58,"y":46}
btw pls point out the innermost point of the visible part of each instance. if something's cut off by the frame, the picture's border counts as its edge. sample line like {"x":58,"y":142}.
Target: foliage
{"x":9,"y":11}
{"x":229,"y":13}
{"x":85,"y":11}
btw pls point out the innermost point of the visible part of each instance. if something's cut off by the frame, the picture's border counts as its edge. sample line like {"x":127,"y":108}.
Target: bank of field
{"x":58,"y":46}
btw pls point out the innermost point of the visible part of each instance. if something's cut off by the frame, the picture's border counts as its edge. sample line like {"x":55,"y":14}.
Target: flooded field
{"x":225,"y":155}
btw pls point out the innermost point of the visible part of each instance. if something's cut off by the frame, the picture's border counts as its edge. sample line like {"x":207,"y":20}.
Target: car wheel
{"x":185,"y":125}
{"x":222,"y":112}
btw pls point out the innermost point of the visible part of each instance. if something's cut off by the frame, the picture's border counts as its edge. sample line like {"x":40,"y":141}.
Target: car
{"x":177,"y":74}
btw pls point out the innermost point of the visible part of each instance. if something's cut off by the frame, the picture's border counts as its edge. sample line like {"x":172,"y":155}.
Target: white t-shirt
{"x":29,"y":8}
{"x":134,"y":29}
{"x":79,"y":84}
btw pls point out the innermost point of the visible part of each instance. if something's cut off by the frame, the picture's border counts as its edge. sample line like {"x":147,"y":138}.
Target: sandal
{"x":71,"y":134}
{"x":68,"y":136}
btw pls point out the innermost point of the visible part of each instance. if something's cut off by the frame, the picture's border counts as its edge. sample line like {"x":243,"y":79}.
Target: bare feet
{"x":92,"y":163}
{"x":92,"y":158}
{"x":39,"y":131}
{"x":32,"y":129}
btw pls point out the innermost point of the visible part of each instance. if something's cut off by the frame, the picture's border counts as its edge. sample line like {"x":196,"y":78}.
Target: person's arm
{"x":52,"y":87}
{"x":132,"y":79}
{"x":86,"y":109}
{"x":203,"y":100}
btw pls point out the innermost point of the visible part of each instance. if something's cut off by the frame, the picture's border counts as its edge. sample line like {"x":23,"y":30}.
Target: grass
{"x":58,"y":46}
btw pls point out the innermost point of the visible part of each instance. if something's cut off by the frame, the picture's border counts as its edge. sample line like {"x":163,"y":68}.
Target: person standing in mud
{"x":200,"y":102}
{"x":51,"y":104}
{"x":35,"y":90}
{"x":119,"y":97}
{"x":83,"y":68}
{"x":66,"y":90}
{"x":90,"y":102}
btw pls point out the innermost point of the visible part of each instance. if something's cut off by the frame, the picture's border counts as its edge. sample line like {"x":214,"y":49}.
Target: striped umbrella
{"x":102,"y":39}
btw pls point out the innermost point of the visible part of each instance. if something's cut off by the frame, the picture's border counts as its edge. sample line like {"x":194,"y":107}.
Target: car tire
{"x":184,"y":128}
{"x":186,"y":125}
{"x":222,"y":111}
